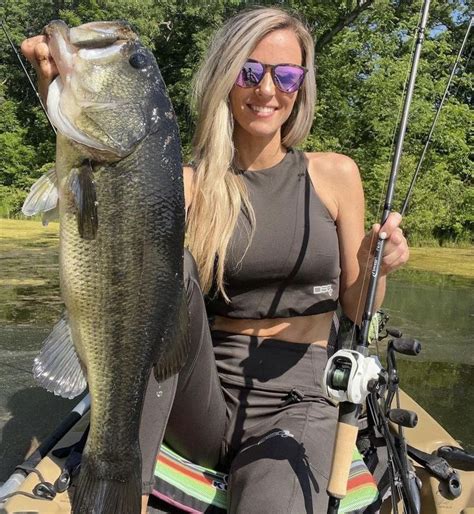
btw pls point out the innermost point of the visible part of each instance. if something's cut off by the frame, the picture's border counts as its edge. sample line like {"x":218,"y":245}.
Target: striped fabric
{"x":196,"y":489}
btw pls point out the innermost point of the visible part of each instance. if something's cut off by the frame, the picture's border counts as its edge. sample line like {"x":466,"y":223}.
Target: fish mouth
{"x":98,"y":34}
{"x":100,"y":40}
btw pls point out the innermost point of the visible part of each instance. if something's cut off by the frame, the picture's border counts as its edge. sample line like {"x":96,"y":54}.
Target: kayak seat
{"x":196,"y":489}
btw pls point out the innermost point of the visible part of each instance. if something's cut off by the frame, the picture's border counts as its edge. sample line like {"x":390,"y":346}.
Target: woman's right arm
{"x":36,"y":50}
{"x":188,"y":177}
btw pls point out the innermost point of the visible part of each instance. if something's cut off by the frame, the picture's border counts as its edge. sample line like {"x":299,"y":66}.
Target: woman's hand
{"x":395,"y":252}
{"x":36,"y":50}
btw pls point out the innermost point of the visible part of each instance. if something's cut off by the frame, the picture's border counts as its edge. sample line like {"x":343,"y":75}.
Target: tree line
{"x":363,"y":54}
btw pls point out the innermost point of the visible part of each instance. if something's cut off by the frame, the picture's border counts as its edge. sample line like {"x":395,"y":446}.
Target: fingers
{"x":391,"y":223}
{"x":36,"y":50}
{"x":46,"y":66}
{"x":396,"y":252}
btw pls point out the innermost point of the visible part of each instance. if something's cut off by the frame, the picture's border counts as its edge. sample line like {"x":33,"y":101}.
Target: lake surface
{"x":441,"y":377}
{"x":440,"y":314}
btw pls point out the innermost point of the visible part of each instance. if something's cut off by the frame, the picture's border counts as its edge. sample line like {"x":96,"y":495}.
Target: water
{"x":441,"y":378}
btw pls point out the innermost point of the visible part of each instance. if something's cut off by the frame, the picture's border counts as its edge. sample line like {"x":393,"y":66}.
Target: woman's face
{"x":260,"y":111}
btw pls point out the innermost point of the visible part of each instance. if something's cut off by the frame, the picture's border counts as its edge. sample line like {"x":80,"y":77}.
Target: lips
{"x":262,"y":110}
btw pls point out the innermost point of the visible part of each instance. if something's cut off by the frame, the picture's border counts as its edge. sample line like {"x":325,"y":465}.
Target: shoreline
{"x":449,"y":261}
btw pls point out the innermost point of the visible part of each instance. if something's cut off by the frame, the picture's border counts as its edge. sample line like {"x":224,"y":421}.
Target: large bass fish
{"x":119,"y":189}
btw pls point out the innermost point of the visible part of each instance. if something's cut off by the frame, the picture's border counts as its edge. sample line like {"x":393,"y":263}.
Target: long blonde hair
{"x":219,"y":193}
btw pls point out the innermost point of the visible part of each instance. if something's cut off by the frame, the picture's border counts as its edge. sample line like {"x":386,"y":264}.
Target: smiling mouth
{"x":261,"y":109}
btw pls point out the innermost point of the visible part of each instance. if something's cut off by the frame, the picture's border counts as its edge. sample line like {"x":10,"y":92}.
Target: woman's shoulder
{"x":333,"y":165}
{"x":336,"y":179}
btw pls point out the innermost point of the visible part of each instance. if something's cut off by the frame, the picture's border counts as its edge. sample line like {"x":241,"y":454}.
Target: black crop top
{"x":292,"y":265}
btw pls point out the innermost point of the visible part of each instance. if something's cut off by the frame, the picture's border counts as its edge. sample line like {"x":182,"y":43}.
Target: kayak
{"x":428,"y":436}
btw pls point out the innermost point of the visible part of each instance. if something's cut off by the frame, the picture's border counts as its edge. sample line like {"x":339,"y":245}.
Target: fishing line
{"x":438,"y":112}
{"x":466,"y":65}
{"x":15,"y":51}
{"x":387,"y":176}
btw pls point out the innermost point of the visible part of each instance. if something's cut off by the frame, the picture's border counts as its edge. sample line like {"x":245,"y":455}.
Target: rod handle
{"x":346,"y":436}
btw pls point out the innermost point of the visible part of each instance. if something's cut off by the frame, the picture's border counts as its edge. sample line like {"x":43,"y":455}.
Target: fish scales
{"x":117,"y":287}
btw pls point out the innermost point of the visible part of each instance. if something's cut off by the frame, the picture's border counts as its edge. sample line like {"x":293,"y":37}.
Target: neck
{"x":252,"y":153}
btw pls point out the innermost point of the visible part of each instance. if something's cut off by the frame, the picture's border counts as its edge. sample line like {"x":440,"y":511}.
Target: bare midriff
{"x":299,"y":329}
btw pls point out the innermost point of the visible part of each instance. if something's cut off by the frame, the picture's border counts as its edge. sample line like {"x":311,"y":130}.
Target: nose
{"x":266,"y":86}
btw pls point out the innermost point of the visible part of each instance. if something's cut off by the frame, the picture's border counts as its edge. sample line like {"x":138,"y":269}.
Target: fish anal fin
{"x":51,"y":215}
{"x":178,"y":348}
{"x":57,"y":368}
{"x":82,"y":186}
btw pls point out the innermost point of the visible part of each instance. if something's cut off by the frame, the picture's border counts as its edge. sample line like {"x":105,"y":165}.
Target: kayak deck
{"x":427,"y":436}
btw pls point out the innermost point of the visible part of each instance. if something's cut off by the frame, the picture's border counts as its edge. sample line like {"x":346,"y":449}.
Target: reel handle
{"x":403,"y":417}
{"x":406,"y":346}
{"x":394,"y":332}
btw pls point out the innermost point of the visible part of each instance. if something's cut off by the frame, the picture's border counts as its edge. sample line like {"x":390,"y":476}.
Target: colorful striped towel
{"x":196,"y":489}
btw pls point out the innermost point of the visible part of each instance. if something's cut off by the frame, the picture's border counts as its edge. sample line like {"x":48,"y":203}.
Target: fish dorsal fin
{"x":43,"y":195}
{"x":82,"y":186}
{"x":57,"y":367}
{"x":178,"y":347}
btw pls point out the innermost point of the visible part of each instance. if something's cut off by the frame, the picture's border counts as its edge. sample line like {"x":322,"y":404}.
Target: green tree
{"x":363,"y":53}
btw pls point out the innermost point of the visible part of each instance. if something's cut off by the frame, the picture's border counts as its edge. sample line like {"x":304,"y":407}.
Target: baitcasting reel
{"x":350,"y":376}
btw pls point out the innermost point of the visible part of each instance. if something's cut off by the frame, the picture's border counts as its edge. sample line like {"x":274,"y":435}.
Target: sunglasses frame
{"x":273,"y":75}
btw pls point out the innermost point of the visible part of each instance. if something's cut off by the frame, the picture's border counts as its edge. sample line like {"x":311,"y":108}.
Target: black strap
{"x":439,"y":468}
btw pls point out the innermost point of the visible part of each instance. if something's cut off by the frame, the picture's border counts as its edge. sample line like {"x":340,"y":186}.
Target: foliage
{"x":363,"y":57}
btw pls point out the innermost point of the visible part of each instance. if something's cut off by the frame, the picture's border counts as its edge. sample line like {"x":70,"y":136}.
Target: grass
{"x":445,"y":261}
{"x":30,"y":272}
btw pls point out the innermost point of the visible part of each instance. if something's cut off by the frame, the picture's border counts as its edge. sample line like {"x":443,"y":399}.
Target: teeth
{"x":257,"y":108}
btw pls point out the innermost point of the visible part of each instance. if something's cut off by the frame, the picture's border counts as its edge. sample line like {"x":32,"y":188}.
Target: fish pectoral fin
{"x":43,"y":195}
{"x":178,"y":347}
{"x":57,"y":368}
{"x":82,"y":186}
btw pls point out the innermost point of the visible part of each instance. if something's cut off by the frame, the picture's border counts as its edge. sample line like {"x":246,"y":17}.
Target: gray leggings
{"x":249,"y":406}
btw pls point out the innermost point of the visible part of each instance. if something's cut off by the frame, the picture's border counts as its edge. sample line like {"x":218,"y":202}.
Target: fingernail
{"x":383,"y":235}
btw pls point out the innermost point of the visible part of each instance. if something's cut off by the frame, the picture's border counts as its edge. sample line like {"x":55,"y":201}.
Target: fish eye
{"x":138,"y":60}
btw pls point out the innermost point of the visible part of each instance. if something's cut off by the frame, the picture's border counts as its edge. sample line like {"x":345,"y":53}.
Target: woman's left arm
{"x":357,"y":248}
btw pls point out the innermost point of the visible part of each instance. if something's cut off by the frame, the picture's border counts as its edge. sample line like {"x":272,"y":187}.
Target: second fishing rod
{"x":351,"y":374}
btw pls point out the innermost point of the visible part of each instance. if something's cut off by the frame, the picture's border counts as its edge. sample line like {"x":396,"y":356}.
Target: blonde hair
{"x":219,"y":193}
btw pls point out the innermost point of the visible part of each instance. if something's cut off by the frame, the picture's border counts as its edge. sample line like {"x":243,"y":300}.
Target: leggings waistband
{"x":270,"y":363}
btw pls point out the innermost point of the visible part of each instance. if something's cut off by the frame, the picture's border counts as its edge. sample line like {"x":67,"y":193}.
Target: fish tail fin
{"x":100,"y":495}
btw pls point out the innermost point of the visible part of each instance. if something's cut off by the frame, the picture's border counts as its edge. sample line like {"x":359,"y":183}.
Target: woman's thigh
{"x":188,"y":409}
{"x":284,"y":463}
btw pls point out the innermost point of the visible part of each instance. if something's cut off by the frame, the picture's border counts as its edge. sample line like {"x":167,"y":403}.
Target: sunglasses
{"x":288,"y":78}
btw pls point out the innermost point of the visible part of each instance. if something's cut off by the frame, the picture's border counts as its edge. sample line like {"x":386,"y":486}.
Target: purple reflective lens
{"x":286,"y":77}
{"x":251,"y":74}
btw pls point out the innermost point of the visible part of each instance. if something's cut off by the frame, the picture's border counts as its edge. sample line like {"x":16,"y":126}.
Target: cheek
{"x":289,"y":106}
{"x":237,"y":101}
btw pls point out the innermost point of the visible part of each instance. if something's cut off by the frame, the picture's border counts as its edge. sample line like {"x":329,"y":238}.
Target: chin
{"x":262,"y":130}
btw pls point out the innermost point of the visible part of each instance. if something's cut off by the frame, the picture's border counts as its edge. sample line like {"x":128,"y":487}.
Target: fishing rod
{"x":428,"y":139}
{"x":351,"y":374}
{"x":15,"y":51}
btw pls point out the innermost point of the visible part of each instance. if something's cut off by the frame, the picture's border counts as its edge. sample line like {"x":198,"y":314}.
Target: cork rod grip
{"x":346,"y":436}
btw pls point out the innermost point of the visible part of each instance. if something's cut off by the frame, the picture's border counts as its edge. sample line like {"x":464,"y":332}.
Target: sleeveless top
{"x":291,"y":267}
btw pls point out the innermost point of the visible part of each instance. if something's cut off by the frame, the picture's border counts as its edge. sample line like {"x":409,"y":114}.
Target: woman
{"x":277,"y":239}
